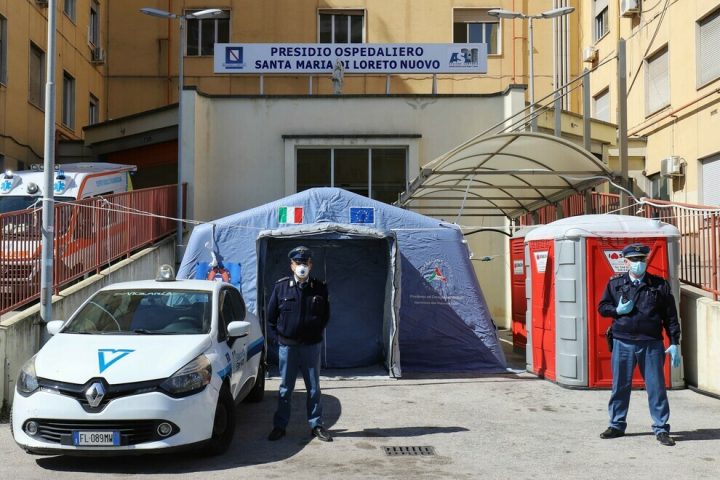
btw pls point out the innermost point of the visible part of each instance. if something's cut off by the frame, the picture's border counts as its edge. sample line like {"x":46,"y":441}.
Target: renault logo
{"x":94,"y":394}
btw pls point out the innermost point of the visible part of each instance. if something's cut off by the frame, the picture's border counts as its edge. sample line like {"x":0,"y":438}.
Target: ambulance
{"x":77,"y":229}
{"x":73,"y":181}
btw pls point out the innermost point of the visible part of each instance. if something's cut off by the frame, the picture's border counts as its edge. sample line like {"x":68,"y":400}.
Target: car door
{"x":230,"y":312}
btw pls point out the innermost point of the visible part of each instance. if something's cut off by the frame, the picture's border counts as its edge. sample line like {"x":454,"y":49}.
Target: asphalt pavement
{"x":512,"y":426}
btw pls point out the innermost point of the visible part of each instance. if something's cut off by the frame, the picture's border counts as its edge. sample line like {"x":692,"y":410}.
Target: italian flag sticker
{"x":290,"y":215}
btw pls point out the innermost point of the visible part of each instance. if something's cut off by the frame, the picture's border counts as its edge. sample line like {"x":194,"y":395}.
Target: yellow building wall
{"x":143,"y":70}
{"x":687,"y":126}
{"x":21,"y":122}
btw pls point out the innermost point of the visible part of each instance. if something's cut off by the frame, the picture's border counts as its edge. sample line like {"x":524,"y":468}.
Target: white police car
{"x":142,"y":366}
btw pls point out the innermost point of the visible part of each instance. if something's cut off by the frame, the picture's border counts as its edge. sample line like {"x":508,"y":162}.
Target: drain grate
{"x":408,"y":451}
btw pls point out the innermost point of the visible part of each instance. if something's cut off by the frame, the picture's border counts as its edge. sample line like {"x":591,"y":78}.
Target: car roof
{"x":200,"y":285}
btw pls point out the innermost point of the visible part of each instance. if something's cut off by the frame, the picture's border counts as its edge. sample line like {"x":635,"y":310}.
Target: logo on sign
{"x":362,"y":215}
{"x":465,"y":57}
{"x":616,"y":260}
{"x":108,"y":356}
{"x":234,"y":57}
{"x":541,"y":261}
{"x":518,"y":267}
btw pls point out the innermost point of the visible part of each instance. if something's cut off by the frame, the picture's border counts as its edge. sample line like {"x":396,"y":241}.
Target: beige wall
{"x":22,"y":122}
{"x":144,"y":50}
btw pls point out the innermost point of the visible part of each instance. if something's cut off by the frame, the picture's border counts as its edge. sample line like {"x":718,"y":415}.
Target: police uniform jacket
{"x":298,"y":314}
{"x":653,"y":309}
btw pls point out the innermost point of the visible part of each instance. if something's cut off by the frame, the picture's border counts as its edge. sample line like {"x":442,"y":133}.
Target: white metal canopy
{"x":506,"y":175}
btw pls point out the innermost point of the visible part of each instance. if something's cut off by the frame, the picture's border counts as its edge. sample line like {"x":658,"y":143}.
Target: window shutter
{"x":710,"y":181}
{"x":602,"y":107}
{"x":658,"y":82}
{"x":708,"y":46}
{"x":473,"y":15}
{"x":600,"y":5}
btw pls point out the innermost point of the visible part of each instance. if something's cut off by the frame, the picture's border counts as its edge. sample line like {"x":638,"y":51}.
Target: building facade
{"x":673,"y":74}
{"x":80,"y":74}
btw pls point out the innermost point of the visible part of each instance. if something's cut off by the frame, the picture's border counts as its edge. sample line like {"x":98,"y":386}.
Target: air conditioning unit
{"x":628,"y":8}
{"x":97,"y":56}
{"x":672,"y":166}
{"x":41,"y":3}
{"x":589,"y":54}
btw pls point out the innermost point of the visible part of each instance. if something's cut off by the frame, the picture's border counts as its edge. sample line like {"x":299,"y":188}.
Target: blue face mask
{"x":638,"y":268}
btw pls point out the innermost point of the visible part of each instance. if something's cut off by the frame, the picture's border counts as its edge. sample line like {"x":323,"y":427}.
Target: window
{"x":341,"y":26}
{"x":94,"y":26}
{"x":93,"y":110}
{"x":601,"y":106}
{"x":657,"y":93}
{"x":204,"y":33}
{"x":474,"y":25}
{"x":69,"y":9}
{"x":601,"y":19}
{"x":379,"y":172}
{"x":659,"y":187}
{"x":68,"y":105}
{"x":3,"y":49}
{"x":708,"y":40}
{"x":36,"y":91}
{"x":710,"y":181}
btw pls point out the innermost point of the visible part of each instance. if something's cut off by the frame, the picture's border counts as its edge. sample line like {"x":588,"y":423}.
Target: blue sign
{"x":234,"y":57}
{"x":362,"y":215}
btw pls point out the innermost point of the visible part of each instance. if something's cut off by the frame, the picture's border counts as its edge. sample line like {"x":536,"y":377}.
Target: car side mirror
{"x":53,"y":327}
{"x":238,"y":329}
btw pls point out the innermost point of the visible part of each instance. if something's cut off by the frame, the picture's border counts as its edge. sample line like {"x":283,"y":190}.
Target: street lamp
{"x":183,"y":18}
{"x":510,"y":15}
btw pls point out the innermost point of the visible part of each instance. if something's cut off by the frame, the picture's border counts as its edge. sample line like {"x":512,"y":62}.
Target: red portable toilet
{"x":518,"y":299}
{"x":569,"y":263}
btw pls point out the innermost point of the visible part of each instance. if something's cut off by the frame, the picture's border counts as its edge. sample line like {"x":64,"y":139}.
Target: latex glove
{"x":624,"y":308}
{"x":674,"y":352}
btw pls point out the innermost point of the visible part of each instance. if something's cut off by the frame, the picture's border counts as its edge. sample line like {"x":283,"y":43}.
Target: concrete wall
{"x":22,"y":334}
{"x":700,"y":344}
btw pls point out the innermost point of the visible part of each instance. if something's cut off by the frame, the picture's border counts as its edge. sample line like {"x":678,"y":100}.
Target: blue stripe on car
{"x":225,"y":371}
{"x":255,"y":347}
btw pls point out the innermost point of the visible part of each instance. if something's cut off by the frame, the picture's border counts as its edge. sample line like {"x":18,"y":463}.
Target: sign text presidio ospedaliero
{"x":314,"y":58}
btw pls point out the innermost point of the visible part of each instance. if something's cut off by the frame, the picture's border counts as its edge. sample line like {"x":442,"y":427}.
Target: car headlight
{"x":27,"y":380}
{"x":190,"y":379}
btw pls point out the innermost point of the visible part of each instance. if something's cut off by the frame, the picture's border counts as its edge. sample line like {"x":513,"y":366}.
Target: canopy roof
{"x":507,"y":175}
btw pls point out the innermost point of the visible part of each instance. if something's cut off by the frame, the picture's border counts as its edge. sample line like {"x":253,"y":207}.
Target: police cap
{"x":636,"y":250}
{"x":300,"y":254}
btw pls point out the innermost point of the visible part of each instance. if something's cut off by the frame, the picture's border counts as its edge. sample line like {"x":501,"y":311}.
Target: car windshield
{"x":144,"y":312}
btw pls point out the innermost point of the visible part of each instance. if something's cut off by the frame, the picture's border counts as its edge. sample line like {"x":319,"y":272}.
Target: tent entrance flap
{"x":360,"y":273}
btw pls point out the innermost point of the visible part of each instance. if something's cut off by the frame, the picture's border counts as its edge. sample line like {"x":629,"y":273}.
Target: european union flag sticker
{"x":362,"y":215}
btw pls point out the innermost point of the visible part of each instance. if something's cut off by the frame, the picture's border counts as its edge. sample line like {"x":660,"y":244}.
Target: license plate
{"x":96,"y":439}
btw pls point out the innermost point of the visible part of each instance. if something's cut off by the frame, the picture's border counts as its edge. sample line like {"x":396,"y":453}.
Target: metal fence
{"x":88,"y":235}
{"x":699,"y":230}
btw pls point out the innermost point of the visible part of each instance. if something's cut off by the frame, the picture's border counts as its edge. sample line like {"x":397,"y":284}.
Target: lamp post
{"x":509,"y":14}
{"x":182,"y":18}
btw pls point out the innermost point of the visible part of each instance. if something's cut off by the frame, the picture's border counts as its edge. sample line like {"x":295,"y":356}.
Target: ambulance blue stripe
{"x":255,"y":347}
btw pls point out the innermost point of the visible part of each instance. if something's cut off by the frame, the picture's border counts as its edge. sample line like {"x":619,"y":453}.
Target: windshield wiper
{"x":144,"y":331}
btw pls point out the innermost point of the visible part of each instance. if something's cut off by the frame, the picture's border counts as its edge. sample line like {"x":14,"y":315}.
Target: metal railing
{"x":89,"y":234}
{"x":699,"y":227}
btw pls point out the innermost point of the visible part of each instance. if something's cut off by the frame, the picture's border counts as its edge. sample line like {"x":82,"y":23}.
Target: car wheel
{"x":258,"y":391}
{"x":223,"y":425}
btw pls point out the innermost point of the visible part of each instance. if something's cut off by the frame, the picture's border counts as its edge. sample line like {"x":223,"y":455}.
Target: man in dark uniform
{"x":297,"y":313}
{"x":640,"y":304}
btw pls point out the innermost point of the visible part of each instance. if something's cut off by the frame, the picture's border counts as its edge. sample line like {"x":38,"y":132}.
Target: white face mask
{"x":302,"y":271}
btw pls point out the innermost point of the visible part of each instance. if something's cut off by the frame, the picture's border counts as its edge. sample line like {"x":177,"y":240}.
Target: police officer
{"x":640,"y":304}
{"x":297,"y":313}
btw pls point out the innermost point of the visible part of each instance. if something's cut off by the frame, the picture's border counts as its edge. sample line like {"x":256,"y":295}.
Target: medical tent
{"x":402,"y":289}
